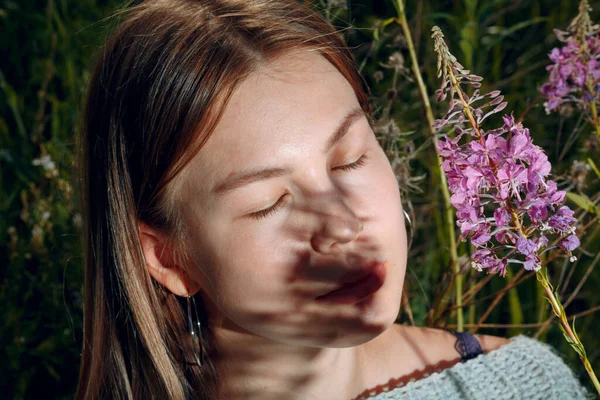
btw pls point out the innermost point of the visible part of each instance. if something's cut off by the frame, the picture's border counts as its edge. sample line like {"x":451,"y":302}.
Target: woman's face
{"x":279,"y":209}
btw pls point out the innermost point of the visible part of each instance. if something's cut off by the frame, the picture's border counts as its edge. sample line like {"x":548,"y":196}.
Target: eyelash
{"x":268,"y":211}
{"x":355,"y":165}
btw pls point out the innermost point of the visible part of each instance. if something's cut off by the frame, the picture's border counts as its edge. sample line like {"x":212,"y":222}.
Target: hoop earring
{"x":411,"y":228}
{"x":195,"y":331}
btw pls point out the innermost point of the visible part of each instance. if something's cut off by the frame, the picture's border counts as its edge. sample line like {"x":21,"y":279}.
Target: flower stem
{"x":581,"y":38}
{"x":570,"y":335}
{"x":595,"y":121}
{"x":467,"y":110}
{"x":449,"y":211}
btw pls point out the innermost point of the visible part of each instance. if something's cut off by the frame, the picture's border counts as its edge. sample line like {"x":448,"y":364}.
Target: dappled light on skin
{"x":265,"y":249}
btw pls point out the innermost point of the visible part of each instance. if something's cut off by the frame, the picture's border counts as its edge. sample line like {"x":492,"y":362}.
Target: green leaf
{"x":583,"y":201}
{"x":580,"y":349}
{"x":52,"y":371}
{"x":387,"y":22}
{"x":382,"y":27}
{"x":46,"y":347}
{"x":12,"y":100}
{"x":594,"y":167}
{"x":576,"y":346}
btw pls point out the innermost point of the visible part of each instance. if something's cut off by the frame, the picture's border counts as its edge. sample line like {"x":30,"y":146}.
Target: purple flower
{"x":498,"y":179}
{"x":553,"y":195}
{"x":538,"y":210}
{"x":575,"y":71}
{"x":532,"y":263}
{"x":529,"y":247}
{"x":562,"y":220}
{"x":475,"y":178}
{"x":501,"y":217}
{"x":570,"y":243}
{"x":484,"y":259}
{"x":525,"y":246}
{"x":512,"y":178}
{"x":480,"y":238}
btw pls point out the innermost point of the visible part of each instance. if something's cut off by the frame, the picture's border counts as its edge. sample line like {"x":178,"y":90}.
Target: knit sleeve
{"x":524,"y":368}
{"x":546,"y":368}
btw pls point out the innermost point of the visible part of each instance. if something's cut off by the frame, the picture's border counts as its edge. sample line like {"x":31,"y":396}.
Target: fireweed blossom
{"x":575,"y":69}
{"x":498,"y":179}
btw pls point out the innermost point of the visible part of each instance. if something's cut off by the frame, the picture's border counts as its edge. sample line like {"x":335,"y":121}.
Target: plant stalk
{"x":449,"y":211}
{"x":557,"y":307}
{"x":570,"y":335}
{"x":581,"y":38}
{"x":595,"y":121}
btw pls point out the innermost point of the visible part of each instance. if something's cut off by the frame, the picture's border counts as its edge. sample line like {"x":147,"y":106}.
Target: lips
{"x":358,"y":285}
{"x":355,"y":276}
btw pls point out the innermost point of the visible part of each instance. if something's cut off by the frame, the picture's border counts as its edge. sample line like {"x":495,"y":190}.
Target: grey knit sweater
{"x":524,"y":368}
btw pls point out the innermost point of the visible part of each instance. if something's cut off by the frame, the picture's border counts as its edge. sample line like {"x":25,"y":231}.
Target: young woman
{"x":231,"y":182}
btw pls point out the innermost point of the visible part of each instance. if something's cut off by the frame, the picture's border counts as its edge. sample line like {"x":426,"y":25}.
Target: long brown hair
{"x":155,"y":93}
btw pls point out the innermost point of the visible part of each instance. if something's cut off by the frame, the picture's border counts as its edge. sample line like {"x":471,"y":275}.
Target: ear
{"x":161,"y":263}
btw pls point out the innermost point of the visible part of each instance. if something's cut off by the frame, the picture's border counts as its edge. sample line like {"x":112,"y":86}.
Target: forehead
{"x":285,"y":108}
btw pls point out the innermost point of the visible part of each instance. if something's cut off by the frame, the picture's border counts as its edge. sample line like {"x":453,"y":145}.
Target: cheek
{"x":385,"y":206}
{"x":243,"y":263}
{"x":383,"y":192}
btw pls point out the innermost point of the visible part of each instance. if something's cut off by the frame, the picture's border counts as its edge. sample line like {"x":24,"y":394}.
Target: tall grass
{"x":46,"y":52}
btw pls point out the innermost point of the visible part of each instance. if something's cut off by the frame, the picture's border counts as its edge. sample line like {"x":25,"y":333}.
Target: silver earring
{"x":195,"y":330}
{"x":411,"y":227}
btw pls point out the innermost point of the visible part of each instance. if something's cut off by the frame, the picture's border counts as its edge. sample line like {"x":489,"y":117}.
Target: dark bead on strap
{"x":467,"y":345}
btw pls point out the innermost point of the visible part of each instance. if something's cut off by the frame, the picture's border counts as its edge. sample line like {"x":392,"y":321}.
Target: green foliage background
{"x":46,"y":49}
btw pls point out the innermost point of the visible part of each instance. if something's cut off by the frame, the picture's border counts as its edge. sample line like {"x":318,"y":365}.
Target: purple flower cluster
{"x":574,"y":74}
{"x":575,"y":70}
{"x":498,"y":179}
{"x":505,"y":172}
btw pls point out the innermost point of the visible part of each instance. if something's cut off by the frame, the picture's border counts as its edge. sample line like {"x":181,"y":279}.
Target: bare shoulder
{"x":429,"y":345}
{"x":489,"y":343}
{"x":442,"y":342}
{"x":408,"y":353}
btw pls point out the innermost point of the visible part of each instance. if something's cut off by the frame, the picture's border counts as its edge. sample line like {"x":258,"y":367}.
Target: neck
{"x":254,"y":367}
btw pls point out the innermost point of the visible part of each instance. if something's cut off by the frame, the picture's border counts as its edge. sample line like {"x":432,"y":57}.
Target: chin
{"x":376,"y":314}
{"x":380,"y":310}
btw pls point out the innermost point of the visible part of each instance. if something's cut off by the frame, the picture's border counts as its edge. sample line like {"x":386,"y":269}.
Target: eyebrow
{"x":240,"y":179}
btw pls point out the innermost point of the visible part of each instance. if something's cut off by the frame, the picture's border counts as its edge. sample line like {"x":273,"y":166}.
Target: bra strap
{"x":467,"y":345}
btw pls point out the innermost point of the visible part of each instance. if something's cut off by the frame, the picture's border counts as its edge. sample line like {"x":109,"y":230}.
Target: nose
{"x":337,"y":224}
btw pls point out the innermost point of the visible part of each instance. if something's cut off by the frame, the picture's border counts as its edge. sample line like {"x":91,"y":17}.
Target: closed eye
{"x":279,"y":203}
{"x":268,"y":211}
{"x":355,"y":165}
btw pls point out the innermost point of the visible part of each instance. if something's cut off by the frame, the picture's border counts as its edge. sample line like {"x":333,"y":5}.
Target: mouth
{"x":357,"y":288}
